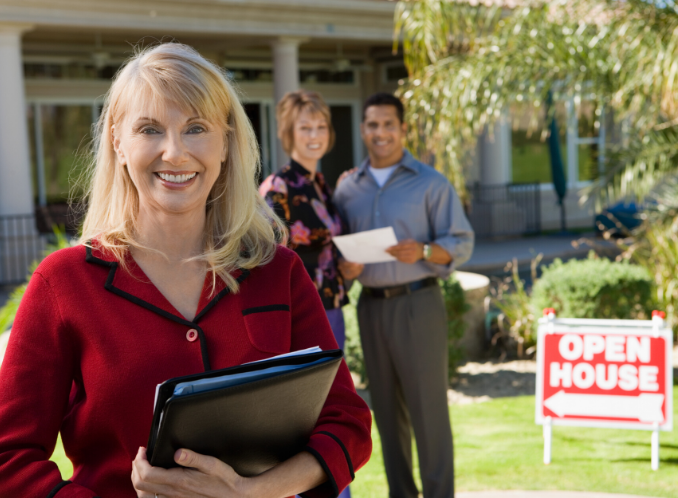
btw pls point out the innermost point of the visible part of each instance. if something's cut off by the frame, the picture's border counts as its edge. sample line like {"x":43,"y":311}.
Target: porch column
{"x":20,"y":243}
{"x":495,"y":154}
{"x":285,"y":79}
{"x":16,"y":193}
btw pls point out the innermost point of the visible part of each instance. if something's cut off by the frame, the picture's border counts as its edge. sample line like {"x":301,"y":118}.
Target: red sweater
{"x":91,"y":341}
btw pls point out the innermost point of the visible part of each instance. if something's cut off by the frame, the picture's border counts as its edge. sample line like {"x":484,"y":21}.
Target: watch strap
{"x":428,"y":251}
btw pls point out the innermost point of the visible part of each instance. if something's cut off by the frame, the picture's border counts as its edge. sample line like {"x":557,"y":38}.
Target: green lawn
{"x":498,"y":446}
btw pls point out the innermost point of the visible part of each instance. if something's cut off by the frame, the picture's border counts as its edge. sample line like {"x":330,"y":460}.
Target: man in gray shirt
{"x":401,"y":312}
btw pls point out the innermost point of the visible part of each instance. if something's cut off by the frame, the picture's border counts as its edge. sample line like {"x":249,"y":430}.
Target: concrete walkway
{"x":490,"y":256}
{"x":540,"y":494}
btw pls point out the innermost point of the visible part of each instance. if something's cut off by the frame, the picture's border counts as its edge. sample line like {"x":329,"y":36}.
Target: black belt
{"x":399,"y":290}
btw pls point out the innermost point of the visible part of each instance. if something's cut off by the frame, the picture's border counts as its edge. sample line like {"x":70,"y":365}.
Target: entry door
{"x":253,"y":111}
{"x":340,"y":157}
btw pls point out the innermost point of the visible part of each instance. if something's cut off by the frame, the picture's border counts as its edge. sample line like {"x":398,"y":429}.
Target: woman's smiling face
{"x":311,"y":136}
{"x":172,"y":155}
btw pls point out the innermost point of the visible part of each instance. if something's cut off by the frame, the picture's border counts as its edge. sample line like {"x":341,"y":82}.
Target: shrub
{"x":353,"y":350}
{"x":513,"y":299}
{"x":594,"y":288}
{"x":590,"y":288}
{"x":455,"y":305}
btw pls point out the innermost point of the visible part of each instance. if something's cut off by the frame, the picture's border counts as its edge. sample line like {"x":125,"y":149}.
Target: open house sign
{"x":604,"y":373}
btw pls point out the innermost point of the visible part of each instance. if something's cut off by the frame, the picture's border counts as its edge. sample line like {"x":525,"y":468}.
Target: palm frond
{"x":467,"y":63}
{"x":636,"y":169}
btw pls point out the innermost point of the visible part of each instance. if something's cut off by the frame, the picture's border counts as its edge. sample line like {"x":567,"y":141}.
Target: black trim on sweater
{"x":90,"y":258}
{"x":58,"y":488}
{"x":243,"y":275}
{"x":343,"y":448}
{"x":113,"y":265}
{"x":323,"y":464}
{"x":262,"y":309}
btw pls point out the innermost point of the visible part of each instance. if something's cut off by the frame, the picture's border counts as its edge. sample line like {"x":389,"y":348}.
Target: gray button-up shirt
{"x":420,"y":204}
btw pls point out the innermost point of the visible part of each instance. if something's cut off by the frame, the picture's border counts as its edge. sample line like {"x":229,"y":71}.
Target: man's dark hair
{"x":383,"y":98}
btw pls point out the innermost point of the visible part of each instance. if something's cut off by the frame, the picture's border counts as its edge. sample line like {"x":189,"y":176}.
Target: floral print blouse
{"x":306,"y":206}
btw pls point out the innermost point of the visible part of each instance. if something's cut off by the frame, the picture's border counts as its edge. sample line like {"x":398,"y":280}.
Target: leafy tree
{"x":655,"y":246}
{"x":469,"y":59}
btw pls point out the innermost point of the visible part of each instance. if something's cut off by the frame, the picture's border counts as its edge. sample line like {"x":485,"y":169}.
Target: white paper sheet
{"x":314,"y":349}
{"x":367,"y":247}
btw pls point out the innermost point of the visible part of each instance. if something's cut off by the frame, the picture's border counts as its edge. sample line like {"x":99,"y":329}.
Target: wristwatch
{"x":428,"y":251}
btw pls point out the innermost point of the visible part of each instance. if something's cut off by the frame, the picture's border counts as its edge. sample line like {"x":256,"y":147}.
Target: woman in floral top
{"x":299,"y":195}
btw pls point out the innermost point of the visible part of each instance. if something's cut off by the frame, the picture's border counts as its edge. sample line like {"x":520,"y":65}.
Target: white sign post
{"x":604,"y":373}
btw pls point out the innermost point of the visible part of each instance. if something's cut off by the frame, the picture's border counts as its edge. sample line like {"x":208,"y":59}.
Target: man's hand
{"x":410,"y":251}
{"x":350,"y":271}
{"x":200,"y":476}
{"x":407,"y":251}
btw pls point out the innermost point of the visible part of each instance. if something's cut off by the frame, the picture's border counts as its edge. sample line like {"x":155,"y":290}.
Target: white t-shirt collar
{"x":381,"y":175}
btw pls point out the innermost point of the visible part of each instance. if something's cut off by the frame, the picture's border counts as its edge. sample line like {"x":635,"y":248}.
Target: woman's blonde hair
{"x":241,"y":231}
{"x":291,"y":106}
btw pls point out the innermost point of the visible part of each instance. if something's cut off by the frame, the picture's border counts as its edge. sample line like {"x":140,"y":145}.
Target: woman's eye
{"x":196,"y":129}
{"x":149,"y":131}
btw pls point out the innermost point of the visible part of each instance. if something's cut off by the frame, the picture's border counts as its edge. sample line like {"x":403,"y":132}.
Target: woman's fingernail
{"x":182,"y":455}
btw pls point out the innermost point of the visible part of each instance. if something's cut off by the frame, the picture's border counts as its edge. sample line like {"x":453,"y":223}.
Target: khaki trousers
{"x":404,"y":341}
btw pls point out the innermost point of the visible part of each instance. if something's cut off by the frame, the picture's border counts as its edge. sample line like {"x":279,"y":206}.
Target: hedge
{"x":594,"y":288}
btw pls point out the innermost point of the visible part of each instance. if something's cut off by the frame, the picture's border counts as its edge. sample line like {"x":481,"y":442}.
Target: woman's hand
{"x":200,"y":476}
{"x":350,"y":270}
{"x":343,"y":176}
{"x":208,"y":477}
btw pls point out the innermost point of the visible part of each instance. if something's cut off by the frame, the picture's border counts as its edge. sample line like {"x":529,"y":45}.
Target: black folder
{"x":252,"y":426}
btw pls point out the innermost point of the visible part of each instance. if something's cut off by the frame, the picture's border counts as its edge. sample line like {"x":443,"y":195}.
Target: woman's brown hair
{"x":291,"y":106}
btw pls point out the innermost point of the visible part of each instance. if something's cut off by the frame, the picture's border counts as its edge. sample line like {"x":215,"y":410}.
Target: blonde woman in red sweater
{"x":178,"y":271}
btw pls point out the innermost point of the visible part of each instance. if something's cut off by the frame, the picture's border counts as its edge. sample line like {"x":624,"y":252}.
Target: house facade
{"x":58,"y":58}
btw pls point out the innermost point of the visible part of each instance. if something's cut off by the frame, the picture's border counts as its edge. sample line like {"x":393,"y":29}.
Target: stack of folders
{"x":251,"y":416}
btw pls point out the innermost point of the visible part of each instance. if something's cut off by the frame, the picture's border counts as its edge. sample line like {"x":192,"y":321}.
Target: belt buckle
{"x":387,"y":293}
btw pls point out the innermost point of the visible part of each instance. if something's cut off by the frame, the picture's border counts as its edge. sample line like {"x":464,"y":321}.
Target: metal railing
{"x":505,"y":210}
{"x":495,"y":211}
{"x":20,"y":245}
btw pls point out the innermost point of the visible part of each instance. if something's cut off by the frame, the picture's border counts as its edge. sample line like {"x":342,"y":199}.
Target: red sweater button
{"x":192,"y":335}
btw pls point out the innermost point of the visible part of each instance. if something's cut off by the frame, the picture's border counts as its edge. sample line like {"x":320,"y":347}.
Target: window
{"x":250,"y":74}
{"x":65,"y":142}
{"x":393,"y":72}
{"x":583,"y":136}
{"x":396,"y":73}
{"x":587,"y":129}
{"x":326,"y":76}
{"x":306,"y":76}
{"x":70,"y":71}
{"x":530,"y":157}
